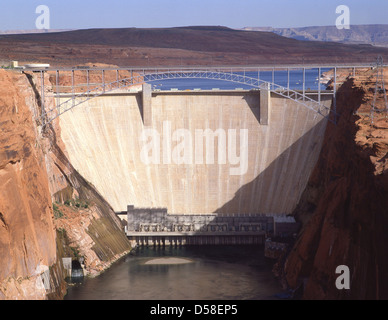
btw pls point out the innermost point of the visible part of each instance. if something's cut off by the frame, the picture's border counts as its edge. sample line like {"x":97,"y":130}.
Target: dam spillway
{"x":103,"y":140}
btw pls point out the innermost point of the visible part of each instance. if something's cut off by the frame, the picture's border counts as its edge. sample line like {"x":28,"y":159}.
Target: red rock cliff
{"x":27,"y":234}
{"x":47,"y":209}
{"x":345,"y":205}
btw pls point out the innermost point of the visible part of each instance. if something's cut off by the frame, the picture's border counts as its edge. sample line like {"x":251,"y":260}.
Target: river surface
{"x":200,"y":273}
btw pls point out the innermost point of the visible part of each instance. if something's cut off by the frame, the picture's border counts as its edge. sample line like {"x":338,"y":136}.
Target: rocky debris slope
{"x":344,"y":207}
{"x":86,"y":224}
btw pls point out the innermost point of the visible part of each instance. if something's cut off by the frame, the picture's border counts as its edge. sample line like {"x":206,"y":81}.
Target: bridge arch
{"x":75,"y":99}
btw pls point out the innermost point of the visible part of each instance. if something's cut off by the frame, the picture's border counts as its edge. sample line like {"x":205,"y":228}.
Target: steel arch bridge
{"x":74,"y":99}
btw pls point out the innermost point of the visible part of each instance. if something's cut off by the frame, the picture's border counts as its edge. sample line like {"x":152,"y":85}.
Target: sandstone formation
{"x":344,"y":207}
{"x":36,"y":179}
{"x":27,"y":233}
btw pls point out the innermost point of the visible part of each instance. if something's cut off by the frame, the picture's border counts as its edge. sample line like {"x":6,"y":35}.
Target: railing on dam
{"x":74,"y":86}
{"x":156,"y":226}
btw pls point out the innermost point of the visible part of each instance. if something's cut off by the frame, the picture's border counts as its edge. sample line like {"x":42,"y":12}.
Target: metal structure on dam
{"x":238,"y":75}
{"x":146,"y":75}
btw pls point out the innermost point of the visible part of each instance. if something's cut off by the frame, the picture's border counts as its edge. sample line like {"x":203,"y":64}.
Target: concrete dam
{"x":148,"y":149}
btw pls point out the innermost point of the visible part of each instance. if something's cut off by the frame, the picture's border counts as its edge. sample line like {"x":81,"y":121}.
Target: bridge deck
{"x":244,"y":75}
{"x":221,"y":67}
{"x":213,"y":91}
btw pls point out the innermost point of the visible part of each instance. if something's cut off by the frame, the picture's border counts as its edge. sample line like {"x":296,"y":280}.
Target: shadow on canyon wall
{"x":344,"y":211}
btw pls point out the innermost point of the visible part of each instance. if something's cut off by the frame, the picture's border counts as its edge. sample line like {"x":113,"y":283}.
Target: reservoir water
{"x":279,"y":77}
{"x":184,"y":273}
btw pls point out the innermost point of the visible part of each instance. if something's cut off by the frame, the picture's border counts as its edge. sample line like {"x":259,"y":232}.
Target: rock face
{"x":344,"y":207}
{"x":27,"y":234}
{"x":36,"y":228}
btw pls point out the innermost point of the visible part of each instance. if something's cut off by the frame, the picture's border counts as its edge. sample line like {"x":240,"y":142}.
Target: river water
{"x":205,"y":273}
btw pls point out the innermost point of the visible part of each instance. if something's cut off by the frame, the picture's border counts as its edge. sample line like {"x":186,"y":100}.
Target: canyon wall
{"x":27,"y":233}
{"x":344,"y":206}
{"x":47,"y":210}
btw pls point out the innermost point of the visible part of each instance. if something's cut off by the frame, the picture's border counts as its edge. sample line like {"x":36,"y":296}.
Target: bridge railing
{"x":149,"y":75}
{"x":75,"y":99}
{"x":302,"y":98}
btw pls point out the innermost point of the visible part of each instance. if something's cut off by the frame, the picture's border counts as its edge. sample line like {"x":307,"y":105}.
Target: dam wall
{"x":106,"y":137}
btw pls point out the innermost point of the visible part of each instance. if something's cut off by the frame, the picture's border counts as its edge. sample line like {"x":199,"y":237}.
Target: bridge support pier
{"x":265,"y":104}
{"x":147,"y":104}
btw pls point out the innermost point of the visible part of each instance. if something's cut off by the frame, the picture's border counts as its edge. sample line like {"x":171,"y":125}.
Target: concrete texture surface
{"x":103,"y":139}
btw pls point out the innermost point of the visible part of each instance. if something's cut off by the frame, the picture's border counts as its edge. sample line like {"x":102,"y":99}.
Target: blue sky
{"x":82,"y":14}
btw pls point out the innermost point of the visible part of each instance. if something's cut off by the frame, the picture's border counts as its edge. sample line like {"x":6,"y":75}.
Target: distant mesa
{"x":376,"y":34}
